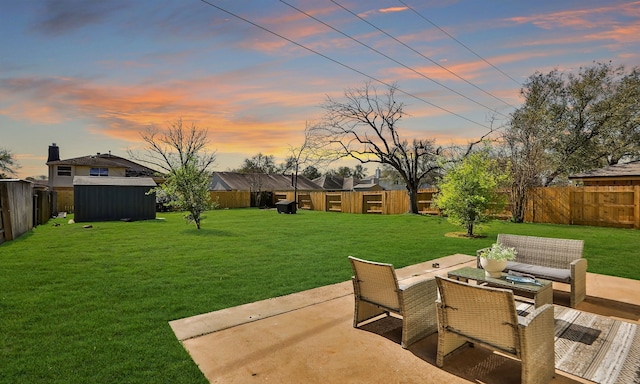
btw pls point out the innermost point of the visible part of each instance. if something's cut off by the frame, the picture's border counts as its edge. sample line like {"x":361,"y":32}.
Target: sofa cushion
{"x":555,"y":274}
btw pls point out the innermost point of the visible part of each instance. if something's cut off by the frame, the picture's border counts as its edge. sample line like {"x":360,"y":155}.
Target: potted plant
{"x":494,"y":260}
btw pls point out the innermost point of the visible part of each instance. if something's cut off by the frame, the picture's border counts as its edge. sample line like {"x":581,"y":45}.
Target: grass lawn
{"x":92,"y":305}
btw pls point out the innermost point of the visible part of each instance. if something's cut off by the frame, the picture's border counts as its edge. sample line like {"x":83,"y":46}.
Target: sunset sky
{"x":91,"y":75}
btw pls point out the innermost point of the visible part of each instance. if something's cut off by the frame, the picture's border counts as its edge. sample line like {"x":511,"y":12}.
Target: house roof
{"x":233,"y":181}
{"x":107,"y":160}
{"x":631,"y":169}
{"x":339,"y":183}
{"x":118,"y":181}
{"x":330,"y":183}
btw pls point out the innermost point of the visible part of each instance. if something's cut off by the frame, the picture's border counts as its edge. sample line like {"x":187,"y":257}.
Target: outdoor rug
{"x":596,"y":348}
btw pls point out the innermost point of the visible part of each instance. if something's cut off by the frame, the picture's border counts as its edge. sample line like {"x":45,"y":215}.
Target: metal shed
{"x":113,"y":198}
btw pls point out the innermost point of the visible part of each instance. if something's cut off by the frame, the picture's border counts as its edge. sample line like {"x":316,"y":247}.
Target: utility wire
{"x":424,"y":56}
{"x":392,"y":59}
{"x":342,"y":64}
{"x":458,"y":41}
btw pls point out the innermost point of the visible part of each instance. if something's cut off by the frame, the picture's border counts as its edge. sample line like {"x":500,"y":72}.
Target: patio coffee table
{"x":541,"y":294}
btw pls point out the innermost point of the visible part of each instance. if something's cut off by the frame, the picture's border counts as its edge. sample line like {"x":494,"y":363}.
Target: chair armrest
{"x":536,"y":316}
{"x":537,"y":343}
{"x":578,"y":281}
{"x":418,"y":307}
{"x":425,"y":291}
{"x":578,"y":266}
{"x":420,"y":297}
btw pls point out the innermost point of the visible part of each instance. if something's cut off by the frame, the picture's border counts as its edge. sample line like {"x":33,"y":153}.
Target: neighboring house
{"x":260,"y":185}
{"x":618,"y":174}
{"x":330,"y":183}
{"x":338,"y":183}
{"x":62,"y":172}
{"x":255,"y":182}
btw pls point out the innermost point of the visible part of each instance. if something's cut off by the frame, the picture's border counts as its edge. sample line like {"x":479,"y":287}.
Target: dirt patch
{"x":464,"y":235}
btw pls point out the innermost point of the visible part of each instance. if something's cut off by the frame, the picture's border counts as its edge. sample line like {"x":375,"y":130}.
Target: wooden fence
{"x":603,"y":206}
{"x":608,"y":206}
{"x":16,"y":208}
{"x":231,"y":199}
{"x":64,"y":200}
{"x":378,"y":202}
{"x":615,"y":206}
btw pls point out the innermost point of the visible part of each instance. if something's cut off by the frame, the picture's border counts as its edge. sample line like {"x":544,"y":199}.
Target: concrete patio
{"x":308,"y":337}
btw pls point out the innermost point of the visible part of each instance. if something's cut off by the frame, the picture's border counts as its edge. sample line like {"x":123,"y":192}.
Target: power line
{"x":392,"y":59}
{"x":457,"y":41}
{"x":342,"y":64}
{"x":419,"y":53}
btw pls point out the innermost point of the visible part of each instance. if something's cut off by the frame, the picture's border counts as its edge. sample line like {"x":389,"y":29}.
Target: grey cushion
{"x":555,"y":274}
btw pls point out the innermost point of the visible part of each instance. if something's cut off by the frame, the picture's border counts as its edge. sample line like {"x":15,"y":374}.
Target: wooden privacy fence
{"x":615,"y":206}
{"x":603,"y":206}
{"x":231,"y":199}
{"x":378,"y":202}
{"x":609,"y":206}
{"x":16,"y":208}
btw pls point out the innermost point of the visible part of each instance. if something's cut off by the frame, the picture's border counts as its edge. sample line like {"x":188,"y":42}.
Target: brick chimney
{"x":54,"y":153}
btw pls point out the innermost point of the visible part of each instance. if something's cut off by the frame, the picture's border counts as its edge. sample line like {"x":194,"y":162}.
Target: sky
{"x":91,"y":76}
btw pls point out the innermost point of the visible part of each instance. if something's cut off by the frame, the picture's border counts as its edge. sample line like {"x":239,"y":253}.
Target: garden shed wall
{"x":113,"y":198}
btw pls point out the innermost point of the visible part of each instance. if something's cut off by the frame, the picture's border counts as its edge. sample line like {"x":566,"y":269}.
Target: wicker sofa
{"x":558,"y":260}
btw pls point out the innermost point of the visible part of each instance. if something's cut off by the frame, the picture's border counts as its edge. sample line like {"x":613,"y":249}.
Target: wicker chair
{"x":487,"y":317}
{"x":377,"y":292}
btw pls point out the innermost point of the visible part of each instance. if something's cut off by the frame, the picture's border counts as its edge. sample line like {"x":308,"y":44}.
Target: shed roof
{"x":117,"y":181}
{"x":631,"y":169}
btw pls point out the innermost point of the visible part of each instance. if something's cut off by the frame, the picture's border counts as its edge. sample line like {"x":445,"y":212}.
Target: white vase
{"x":492,"y":267}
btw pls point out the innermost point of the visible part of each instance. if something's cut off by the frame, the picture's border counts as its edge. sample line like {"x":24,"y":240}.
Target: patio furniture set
{"x":483,"y":313}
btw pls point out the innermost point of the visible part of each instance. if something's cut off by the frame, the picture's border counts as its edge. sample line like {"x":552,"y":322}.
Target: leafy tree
{"x":259,"y":163}
{"x":288,"y":165}
{"x":583,"y":121}
{"x":188,"y":187}
{"x":7,"y":164}
{"x":469,"y":191}
{"x":181,"y":152}
{"x":365,"y":127}
{"x":311,"y":172}
{"x":255,"y":168}
{"x":342,"y":172}
{"x":524,"y":145}
{"x":359,"y":172}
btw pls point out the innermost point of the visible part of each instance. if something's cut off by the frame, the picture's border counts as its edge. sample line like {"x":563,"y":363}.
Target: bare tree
{"x":181,"y":153}
{"x":8,"y":163}
{"x":174,"y":148}
{"x":365,"y":127}
{"x":255,"y":168}
{"x":309,"y":153}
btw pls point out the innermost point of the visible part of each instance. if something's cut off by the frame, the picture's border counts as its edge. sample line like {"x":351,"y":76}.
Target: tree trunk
{"x":470,"y":229}
{"x":413,"y":200}
{"x":518,"y":203}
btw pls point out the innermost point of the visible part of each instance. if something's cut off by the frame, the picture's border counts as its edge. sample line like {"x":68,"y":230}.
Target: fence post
{"x":636,"y":206}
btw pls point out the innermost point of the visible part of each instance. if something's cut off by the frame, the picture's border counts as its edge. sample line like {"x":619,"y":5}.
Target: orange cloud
{"x":239,"y":118}
{"x":392,"y":9}
{"x":606,"y":19}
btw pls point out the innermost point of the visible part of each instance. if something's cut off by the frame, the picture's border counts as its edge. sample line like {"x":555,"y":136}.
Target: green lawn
{"x":92,"y":305}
